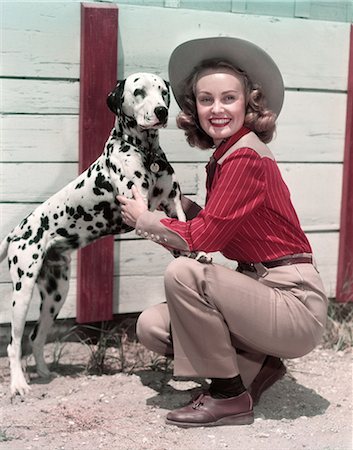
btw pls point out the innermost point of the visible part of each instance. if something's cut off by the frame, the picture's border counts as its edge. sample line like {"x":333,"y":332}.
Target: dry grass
{"x":112,"y":347}
{"x":339,"y":328}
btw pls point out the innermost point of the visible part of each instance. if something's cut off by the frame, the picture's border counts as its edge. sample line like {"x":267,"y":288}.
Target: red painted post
{"x":344,"y":292}
{"x":98,"y":75}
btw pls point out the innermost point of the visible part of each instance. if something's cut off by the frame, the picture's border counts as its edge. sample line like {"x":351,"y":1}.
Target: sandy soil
{"x":311,"y":408}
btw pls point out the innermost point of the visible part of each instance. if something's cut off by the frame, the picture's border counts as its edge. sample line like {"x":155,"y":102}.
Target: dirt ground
{"x":311,"y":408}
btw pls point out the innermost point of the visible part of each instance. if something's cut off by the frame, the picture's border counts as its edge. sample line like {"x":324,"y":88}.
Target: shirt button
{"x":145,"y":233}
{"x":165,"y":240}
{"x":152,"y":236}
{"x":158,"y":238}
{"x":139,"y":232}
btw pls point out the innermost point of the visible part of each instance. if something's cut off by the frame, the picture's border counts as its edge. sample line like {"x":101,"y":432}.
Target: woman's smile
{"x":219,"y":122}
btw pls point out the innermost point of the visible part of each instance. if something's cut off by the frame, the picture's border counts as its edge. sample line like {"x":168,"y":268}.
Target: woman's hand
{"x":131,"y":209}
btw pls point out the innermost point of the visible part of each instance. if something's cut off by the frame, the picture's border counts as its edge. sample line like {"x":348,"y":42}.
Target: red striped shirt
{"x":248,"y":215}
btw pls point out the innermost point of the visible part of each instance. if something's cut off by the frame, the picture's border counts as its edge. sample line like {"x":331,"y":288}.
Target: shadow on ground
{"x":287,"y":399}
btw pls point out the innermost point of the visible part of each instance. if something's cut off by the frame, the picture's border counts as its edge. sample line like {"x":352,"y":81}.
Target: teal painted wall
{"x":336,"y":10}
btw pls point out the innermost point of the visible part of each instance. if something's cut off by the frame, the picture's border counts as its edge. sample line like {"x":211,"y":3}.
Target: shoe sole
{"x":239,"y":419}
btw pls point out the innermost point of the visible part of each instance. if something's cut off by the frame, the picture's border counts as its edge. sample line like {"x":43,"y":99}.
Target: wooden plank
{"x":136,"y":289}
{"x":345,"y":260}
{"x":45,"y":42}
{"x":16,"y":180}
{"x":39,"y":96}
{"x":39,"y":138}
{"x":40,"y":41}
{"x":311,"y":127}
{"x":98,"y":74}
{"x":317,"y":201}
{"x":319,"y":62}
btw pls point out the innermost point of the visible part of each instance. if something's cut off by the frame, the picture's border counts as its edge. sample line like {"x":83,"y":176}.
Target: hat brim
{"x":242,"y":54}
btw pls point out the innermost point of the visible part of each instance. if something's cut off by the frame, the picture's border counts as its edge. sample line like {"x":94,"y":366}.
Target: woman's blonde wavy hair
{"x":258,"y":118}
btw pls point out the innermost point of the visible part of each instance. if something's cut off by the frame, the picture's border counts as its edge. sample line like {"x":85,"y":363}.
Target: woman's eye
{"x":230,"y":98}
{"x":205,"y":100}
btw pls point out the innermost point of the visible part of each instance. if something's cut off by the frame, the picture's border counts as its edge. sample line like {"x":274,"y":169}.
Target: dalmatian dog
{"x":39,"y":248}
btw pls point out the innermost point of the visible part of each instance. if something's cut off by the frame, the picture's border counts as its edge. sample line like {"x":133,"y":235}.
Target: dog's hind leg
{"x":20,"y":302}
{"x":53,"y":284}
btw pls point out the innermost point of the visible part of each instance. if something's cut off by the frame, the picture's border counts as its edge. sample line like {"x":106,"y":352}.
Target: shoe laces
{"x":197,"y":403}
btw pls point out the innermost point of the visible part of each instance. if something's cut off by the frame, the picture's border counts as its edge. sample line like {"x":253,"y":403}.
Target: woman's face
{"x":220,"y":102}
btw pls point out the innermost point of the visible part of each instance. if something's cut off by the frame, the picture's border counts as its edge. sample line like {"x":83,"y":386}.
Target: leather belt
{"x":287,"y":261}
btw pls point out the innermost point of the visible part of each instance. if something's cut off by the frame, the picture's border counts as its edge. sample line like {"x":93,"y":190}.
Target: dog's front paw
{"x":19,"y":386}
{"x":201,"y":257}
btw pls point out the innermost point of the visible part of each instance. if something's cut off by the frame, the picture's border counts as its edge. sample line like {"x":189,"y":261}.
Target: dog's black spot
{"x":15,"y":259}
{"x":57,"y":298}
{"x":52,"y":285}
{"x":35,"y":256}
{"x":140,"y":92}
{"x":27,"y":234}
{"x":125,"y":148}
{"x":102,"y":183}
{"x":156,"y":192}
{"x":18,"y":286}
{"x":13,"y":304}
{"x":130,"y":184}
{"x":138,"y":174}
{"x":72,"y":239}
{"x":52,"y":311}
{"x":145,"y":185}
{"x":174,"y":190}
{"x":104,"y":207}
{"x":20,"y":273}
{"x":80,"y":184}
{"x":70,"y":211}
{"x":80,"y":212}
{"x":34,"y":332}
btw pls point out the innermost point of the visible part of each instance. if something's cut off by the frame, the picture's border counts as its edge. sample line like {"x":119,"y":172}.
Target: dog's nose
{"x":162,"y":113}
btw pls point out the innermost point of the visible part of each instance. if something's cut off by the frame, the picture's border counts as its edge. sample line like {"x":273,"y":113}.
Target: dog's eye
{"x":140,"y":92}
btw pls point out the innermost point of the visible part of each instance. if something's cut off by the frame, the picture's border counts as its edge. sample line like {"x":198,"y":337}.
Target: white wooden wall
{"x":39,"y":124}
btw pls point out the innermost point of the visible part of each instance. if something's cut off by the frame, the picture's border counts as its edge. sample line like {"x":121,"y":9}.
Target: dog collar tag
{"x":154,"y":167}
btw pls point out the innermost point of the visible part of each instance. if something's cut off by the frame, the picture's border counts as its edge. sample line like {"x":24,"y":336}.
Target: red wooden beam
{"x":344,"y":292}
{"x":98,"y":75}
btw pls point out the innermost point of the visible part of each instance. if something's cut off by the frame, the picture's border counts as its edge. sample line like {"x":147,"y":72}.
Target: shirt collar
{"x":227,"y":143}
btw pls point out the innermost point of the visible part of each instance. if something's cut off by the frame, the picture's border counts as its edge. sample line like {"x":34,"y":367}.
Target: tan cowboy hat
{"x":242,"y":54}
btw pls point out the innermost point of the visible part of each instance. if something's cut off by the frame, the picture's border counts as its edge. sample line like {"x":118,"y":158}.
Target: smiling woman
{"x":274,"y":306}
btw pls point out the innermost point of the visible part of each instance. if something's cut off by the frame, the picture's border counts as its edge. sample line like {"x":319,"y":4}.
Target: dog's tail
{"x":4,"y":245}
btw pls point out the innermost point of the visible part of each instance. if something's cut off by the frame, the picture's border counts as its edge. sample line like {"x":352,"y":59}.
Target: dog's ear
{"x":167,"y":97}
{"x":116,"y":98}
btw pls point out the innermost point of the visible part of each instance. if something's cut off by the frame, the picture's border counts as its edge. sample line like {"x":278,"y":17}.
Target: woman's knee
{"x":180,"y":272}
{"x":153,"y":329}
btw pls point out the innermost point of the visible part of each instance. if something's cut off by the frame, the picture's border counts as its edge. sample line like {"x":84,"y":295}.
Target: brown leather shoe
{"x":206,"y":411}
{"x":272,"y":370}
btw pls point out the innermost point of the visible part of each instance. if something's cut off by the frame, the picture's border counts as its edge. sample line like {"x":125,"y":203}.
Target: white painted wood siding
{"x":39,"y":124}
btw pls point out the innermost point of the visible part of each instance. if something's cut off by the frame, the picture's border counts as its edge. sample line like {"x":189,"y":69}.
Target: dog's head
{"x":143,"y":98}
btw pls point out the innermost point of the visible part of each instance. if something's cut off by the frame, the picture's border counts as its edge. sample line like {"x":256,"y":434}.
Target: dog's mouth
{"x":153,"y":125}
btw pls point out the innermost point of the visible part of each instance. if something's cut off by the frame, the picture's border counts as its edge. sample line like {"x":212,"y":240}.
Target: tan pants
{"x":224,"y":323}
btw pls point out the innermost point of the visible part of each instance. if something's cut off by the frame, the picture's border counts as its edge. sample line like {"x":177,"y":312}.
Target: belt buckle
{"x":252,"y":267}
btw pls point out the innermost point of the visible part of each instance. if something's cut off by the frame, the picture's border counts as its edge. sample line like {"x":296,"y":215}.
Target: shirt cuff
{"x":149,"y":226}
